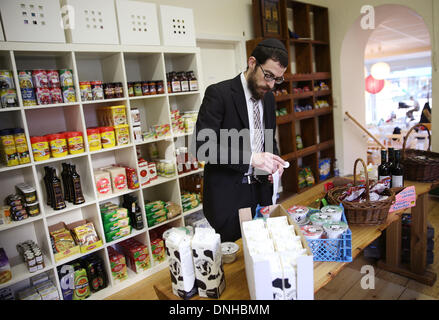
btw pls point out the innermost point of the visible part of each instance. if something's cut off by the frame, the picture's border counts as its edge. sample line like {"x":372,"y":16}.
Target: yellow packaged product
{"x":94,"y":139}
{"x":122,"y":132}
{"x":112,"y":116}
{"x":108,"y":139}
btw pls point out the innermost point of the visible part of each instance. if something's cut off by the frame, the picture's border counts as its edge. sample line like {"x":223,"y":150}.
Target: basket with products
{"x":420,"y":165}
{"x":364,"y":204}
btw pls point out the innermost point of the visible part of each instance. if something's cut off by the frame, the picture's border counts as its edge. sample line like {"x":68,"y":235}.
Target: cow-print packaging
{"x":209,"y":273}
{"x":181,"y":265}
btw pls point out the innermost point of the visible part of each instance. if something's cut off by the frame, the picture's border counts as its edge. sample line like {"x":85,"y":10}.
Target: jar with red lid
{"x":109,"y":92}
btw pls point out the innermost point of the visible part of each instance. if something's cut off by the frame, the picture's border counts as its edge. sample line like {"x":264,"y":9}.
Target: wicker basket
{"x":420,"y":165}
{"x":365,"y":213}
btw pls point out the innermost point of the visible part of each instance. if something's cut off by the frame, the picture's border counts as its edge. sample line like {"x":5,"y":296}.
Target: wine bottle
{"x":58,"y":199}
{"x":384,"y":169}
{"x":391,"y":157}
{"x":65,"y":182}
{"x":78,"y":197}
{"x":47,"y":178}
{"x":397,"y":171}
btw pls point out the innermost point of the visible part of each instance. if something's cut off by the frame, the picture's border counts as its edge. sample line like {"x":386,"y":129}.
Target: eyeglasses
{"x":269,"y":77}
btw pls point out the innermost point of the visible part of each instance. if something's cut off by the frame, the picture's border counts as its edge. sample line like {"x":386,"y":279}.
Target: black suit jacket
{"x":224,"y":107}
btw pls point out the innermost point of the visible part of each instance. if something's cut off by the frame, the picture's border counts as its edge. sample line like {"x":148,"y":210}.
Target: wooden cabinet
{"x":305,"y":34}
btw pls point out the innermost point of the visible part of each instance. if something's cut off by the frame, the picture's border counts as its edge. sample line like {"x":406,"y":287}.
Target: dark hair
{"x":271,"y":49}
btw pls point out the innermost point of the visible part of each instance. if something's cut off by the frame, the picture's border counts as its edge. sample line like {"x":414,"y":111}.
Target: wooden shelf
{"x":284,"y":119}
{"x":283,"y":97}
{"x":302,"y":95}
{"x":304,"y":114}
{"x":306,"y":151}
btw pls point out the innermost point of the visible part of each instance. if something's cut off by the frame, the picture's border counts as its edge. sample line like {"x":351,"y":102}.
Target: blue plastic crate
{"x":338,"y":250}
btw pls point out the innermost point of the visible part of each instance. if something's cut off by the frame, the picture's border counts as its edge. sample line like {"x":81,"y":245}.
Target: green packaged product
{"x":117,"y":234}
{"x":114,"y":215}
{"x":153,"y":222}
{"x":155,"y":206}
{"x":158,"y":214}
{"x":302,"y":179}
{"x":299,"y":142}
{"x":116,"y":225}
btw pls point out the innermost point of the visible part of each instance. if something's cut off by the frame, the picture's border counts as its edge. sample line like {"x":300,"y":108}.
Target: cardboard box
{"x":258,"y":269}
{"x":118,"y":265}
{"x":84,"y":248}
{"x":68,"y":252}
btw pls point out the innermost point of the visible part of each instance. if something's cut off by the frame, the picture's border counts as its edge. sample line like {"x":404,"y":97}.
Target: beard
{"x":256,"y":91}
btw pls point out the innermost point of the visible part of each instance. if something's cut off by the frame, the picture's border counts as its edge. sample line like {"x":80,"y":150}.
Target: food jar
{"x":40,"y":148}
{"x":131,"y":89}
{"x":145,"y":88}
{"x":58,"y":145}
{"x":33,"y":209}
{"x":97,"y":90}
{"x":21,"y":146}
{"x":152,"y":88}
{"x":122,"y":134}
{"x":94,"y":139}
{"x":86,"y":93}
{"x":108,"y":138}
{"x":160,"y":87}
{"x":109,"y":91}
{"x":118,"y":90}
{"x":29,"y":193}
{"x":75,"y":142}
{"x":138,"y":89}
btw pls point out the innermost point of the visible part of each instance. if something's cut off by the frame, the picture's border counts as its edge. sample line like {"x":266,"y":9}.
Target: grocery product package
{"x":181,"y":264}
{"x":278,"y":260}
{"x":209,"y":273}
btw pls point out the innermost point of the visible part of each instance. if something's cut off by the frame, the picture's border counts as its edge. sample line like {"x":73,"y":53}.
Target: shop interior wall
{"x":348,"y":63}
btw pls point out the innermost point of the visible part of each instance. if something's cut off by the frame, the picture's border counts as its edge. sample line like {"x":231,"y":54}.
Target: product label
{"x":120,"y":182}
{"x":386,"y":182}
{"x":397,"y":181}
{"x":103,"y":186}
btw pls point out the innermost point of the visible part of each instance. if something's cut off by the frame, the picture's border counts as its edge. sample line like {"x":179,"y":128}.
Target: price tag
{"x":405,"y":199}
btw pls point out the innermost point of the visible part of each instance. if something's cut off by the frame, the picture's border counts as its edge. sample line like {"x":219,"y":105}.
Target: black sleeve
{"x":211,"y":116}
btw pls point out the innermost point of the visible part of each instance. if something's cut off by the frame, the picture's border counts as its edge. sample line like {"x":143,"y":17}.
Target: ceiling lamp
{"x":380,"y":70}
{"x":374,"y":86}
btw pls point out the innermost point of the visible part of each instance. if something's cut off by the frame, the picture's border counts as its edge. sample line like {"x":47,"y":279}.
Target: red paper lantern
{"x":373,"y":85}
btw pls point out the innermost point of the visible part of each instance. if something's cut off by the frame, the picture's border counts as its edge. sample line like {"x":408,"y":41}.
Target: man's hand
{"x":268,"y":162}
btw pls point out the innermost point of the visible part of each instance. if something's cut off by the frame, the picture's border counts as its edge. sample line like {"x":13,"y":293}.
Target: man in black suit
{"x":235,"y":134}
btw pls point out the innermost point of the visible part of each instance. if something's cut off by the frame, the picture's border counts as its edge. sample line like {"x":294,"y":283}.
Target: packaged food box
{"x":64,"y":244}
{"x":116,"y":225}
{"x":144,"y":174}
{"x":114,"y":235}
{"x":118,"y":265}
{"x":137,"y":255}
{"x":118,"y":179}
{"x":270,"y":275}
{"x":114,"y":215}
{"x":158,"y":250}
{"x":103,"y":183}
{"x":28,"y":294}
{"x":85,"y":234}
{"x":206,"y":248}
{"x":155,"y":221}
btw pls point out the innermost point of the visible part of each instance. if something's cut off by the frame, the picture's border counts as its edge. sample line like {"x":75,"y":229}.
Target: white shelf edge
{"x":49,"y":212}
{"x":170,"y":137}
{"x":103,"y":150}
{"x":103,"y":101}
{"x":115,"y":195}
{"x":10,"y":109}
{"x":152,"y":96}
{"x":186,"y":213}
{"x":191,"y":173}
{"x":176,"y":94}
{"x":165,"y":222}
{"x":158,"y":181}
{"x":21,"y":166}
{"x":54,"y":105}
{"x":15,"y":224}
{"x":66,"y":158}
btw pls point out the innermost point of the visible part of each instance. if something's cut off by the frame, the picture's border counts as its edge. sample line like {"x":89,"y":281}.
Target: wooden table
{"x":324,"y":272}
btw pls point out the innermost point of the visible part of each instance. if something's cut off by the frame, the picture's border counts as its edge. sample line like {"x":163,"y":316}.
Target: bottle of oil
{"x":58,"y":202}
{"x":75,"y":179}
{"x":65,"y":182}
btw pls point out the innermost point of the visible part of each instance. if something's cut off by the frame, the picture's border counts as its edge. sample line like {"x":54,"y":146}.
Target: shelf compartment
{"x":103,"y":66}
{"x":185,"y":102}
{"x":11,"y":237}
{"x":152,"y":112}
{"x":144,"y":67}
{"x":306,"y":128}
{"x":191,"y":173}
{"x":181,"y":62}
{"x":115,"y":101}
{"x":199,"y":208}
{"x":286,"y":144}
{"x":82,"y":168}
{"x":310,"y":161}
{"x":300,"y":56}
{"x":326,"y":127}
{"x":289,"y":178}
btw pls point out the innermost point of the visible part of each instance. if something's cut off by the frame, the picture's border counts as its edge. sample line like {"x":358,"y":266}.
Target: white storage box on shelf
{"x":178,"y":27}
{"x":138,"y":23}
{"x":94,"y":22}
{"x":275,"y":278}
{"x":32,"y":21}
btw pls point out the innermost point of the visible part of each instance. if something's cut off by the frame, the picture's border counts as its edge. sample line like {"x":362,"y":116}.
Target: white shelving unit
{"x":109,"y":63}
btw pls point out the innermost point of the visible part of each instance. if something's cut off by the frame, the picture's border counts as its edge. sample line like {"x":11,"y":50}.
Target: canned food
{"x":86,"y":94}
{"x":75,"y":142}
{"x":69,"y":94}
{"x":33,"y":209}
{"x":25,"y":79}
{"x":39,"y":79}
{"x":21,"y":146}
{"x":97,"y":90}
{"x":8,"y":98}
{"x":66,"y":78}
{"x":6,"y":80}
{"x":53,"y":78}
{"x":40,"y":148}
{"x":58,"y":145}
{"x":28,"y":96}
{"x":56,"y":95}
{"x":109,"y":91}
{"x":43,"y":96}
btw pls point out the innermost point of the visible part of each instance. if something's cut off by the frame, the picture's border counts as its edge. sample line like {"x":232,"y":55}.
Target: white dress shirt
{"x":248,"y":97}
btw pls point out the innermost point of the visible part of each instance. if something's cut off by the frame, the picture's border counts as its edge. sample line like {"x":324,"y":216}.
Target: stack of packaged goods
{"x":190,"y":201}
{"x":31,"y":255}
{"x":165,"y":168}
{"x":97,"y":90}
{"x":22,"y":205}
{"x":321,"y":104}
{"x":8,"y":95}
{"x":136,"y":255}
{"x":87,"y":274}
{"x":42,"y":288}
{"x":115,"y":220}
{"x":44,"y":87}
{"x":189,"y":120}
{"x":306,"y":178}
{"x":136,"y":123}
{"x":5,"y":267}
{"x":177,"y":122}
{"x":160,"y":211}
{"x":158,"y":249}
{"x":14,"y":149}
{"x":118,"y":265}
{"x":115,"y":179}
{"x":57,"y":145}
{"x":62,"y":242}
{"x":148,"y":172}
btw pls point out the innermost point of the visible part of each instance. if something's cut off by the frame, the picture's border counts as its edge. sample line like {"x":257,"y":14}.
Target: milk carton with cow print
{"x":209,"y":273}
{"x":278,"y":260}
{"x":181,"y":265}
